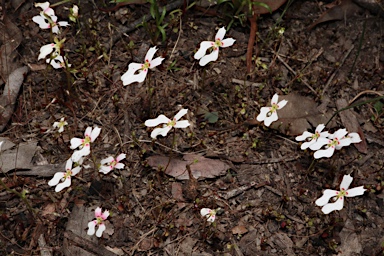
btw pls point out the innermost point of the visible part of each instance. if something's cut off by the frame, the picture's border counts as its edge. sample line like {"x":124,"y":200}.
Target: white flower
{"x":74,"y":13}
{"x":99,"y":221}
{"x":209,"y":214}
{"x":65,"y":177}
{"x":334,"y":141}
{"x":205,"y":45}
{"x":168,"y":123}
{"x":46,"y":9}
{"x":84,"y":144}
{"x":130,"y":77}
{"x":339,"y":196}
{"x":312,"y":138}
{"x":110,"y":163}
{"x":269,"y":114}
{"x":60,"y":125}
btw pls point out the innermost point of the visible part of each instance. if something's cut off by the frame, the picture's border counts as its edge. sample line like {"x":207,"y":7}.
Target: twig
{"x":87,"y":244}
{"x":141,"y":239}
{"x":337,"y":69}
{"x":381,"y":93}
{"x":274,"y":160}
{"x":126,"y":29}
{"x":239,"y":190}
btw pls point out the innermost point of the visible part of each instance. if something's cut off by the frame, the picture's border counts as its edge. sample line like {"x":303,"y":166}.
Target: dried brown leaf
{"x":300,"y":114}
{"x":201,"y":167}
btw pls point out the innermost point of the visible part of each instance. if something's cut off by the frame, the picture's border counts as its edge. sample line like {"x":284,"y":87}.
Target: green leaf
{"x":211,"y":117}
{"x":263,"y":5}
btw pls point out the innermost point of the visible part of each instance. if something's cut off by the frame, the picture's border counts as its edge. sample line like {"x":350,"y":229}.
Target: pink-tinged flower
{"x":312,"y":138}
{"x":269,"y":114}
{"x":46,"y":9}
{"x":84,"y":145}
{"x":338,"y":196}
{"x":333,"y":142}
{"x":110,"y":163}
{"x":99,"y":221}
{"x":205,"y":45}
{"x":168,"y":123}
{"x":64,"y":177}
{"x":60,"y":125}
{"x":130,"y":77}
{"x":209,"y":214}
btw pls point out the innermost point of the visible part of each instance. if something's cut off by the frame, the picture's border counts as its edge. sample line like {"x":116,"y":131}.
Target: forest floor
{"x":263,"y":183}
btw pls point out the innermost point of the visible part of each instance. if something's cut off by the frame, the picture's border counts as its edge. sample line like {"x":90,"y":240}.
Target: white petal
{"x":211,"y":218}
{"x":161,"y":119}
{"x":100,"y":230}
{"x":105,"y":215}
{"x":151,"y":52}
{"x":68,"y":165}
{"x":263,"y":114}
{"x":272,"y":118}
{"x":324,"y":199}
{"x":319,"y":128}
{"x":355,"y":137}
{"x":205,"y":211}
{"x":324,"y":153}
{"x":204,"y":46}
{"x":107,"y":160}
{"x":156,"y":62}
{"x":55,"y":29}
{"x":338,"y":205}
{"x":358,"y":191}
{"x":41,"y":21}
{"x":63,"y":23}
{"x":76,"y":170}
{"x":77,"y":154}
{"x":339,"y":134}
{"x":129,"y":76}
{"x":346,"y":182}
{"x":105,"y":169}
{"x":57,"y":62}
{"x":304,"y":136}
{"x":88,"y":132}
{"x":182,"y":124}
{"x":160,"y":131}
{"x":76,"y":142}
{"x":274,"y":99}
{"x":119,"y":166}
{"x":45,"y":50}
{"x":343,"y":142}
{"x":95,"y":133}
{"x":210,"y":57}
{"x":227,"y":42}
{"x":319,"y":143}
{"x":180,"y":114}
{"x":98,"y":212}
{"x":120,"y":157}
{"x":65,"y":184}
{"x":220,"y":33}
{"x":140,"y":77}
{"x":56,"y":178}
{"x":91,"y":228}
{"x":282,"y":104}
{"x":307,"y":144}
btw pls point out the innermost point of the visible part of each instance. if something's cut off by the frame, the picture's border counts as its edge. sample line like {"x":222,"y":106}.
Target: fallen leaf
{"x":201,"y":167}
{"x":299,"y":115}
{"x":350,"y":242}
{"x":177,"y":192}
{"x":349,"y":120}
{"x":19,"y":157}
{"x":345,"y":9}
{"x":239,"y":230}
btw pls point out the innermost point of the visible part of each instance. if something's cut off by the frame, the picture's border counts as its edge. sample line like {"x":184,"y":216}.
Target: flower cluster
{"x":48,"y":20}
{"x":338,"y":196}
{"x":325,"y":143}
